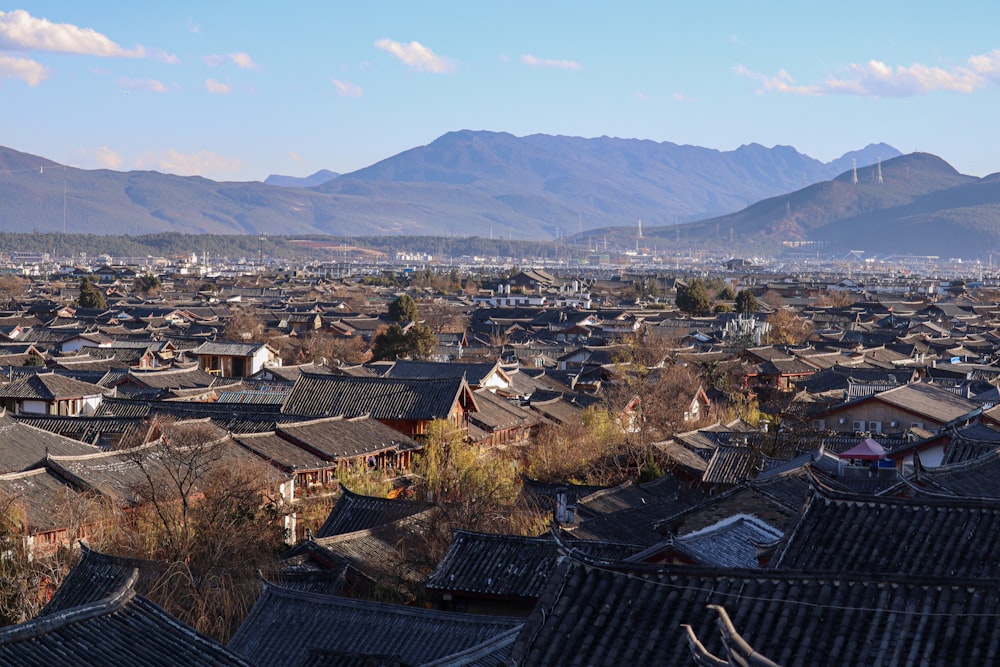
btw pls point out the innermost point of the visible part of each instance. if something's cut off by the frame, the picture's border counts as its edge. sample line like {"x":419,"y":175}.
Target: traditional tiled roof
{"x":382,"y":398}
{"x":732,"y":465}
{"x":930,"y":400}
{"x":173,"y":378}
{"x":91,"y":430}
{"x":42,"y":496}
{"x":357,"y":512}
{"x":732,"y":542}
{"x":475,"y":373}
{"x":944,"y":537}
{"x":496,"y":413}
{"x":120,"y":629}
{"x":281,"y":452}
{"x":599,"y":614}
{"x":96,"y":575}
{"x":49,"y":387}
{"x":228,"y":349}
{"x":23,"y":446}
{"x":976,"y":478}
{"x":378,"y":554}
{"x":336,"y":438}
{"x":509,"y":566}
{"x":285,"y":625}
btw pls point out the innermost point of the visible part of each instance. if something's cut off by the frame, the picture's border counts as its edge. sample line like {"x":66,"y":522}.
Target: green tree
{"x":146,"y":284}
{"x":725,"y":294}
{"x":746,"y":302}
{"x":90,"y":296}
{"x":403,"y":309}
{"x":418,"y":342}
{"x":477,"y":485}
{"x":694,"y":298}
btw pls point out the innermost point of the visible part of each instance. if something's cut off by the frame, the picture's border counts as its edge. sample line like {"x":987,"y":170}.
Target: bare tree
{"x":212,"y":513}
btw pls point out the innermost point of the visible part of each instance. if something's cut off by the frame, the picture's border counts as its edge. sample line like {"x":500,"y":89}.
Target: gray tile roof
{"x":23,"y":446}
{"x":49,"y":387}
{"x":357,"y":512}
{"x":96,"y":575}
{"x":509,"y":566}
{"x":120,"y":629}
{"x":601,"y":614}
{"x":42,"y":496}
{"x":731,"y":542}
{"x":943,"y":537}
{"x":285,"y":625}
{"x":335,"y":438}
{"x":382,"y":398}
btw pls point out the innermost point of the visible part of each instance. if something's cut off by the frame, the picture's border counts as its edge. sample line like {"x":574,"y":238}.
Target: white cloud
{"x":782,"y":83}
{"x":107,"y":158}
{"x":347,"y":89}
{"x":19,"y":30}
{"x":240,"y":59}
{"x":217,"y":87}
{"x":189,"y":164}
{"x":148,"y":85}
{"x":22,"y":68}
{"x":877,"y":79}
{"x":163,"y":56}
{"x":416,"y":56}
{"x":547,"y":63}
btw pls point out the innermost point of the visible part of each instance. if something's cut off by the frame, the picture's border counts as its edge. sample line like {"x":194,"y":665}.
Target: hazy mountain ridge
{"x":464,"y":183}
{"x":922,"y":206}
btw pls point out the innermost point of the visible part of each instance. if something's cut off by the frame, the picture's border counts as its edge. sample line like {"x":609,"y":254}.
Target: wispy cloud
{"x":548,"y":63}
{"x":148,"y":85}
{"x":346,"y":88}
{"x":21,"y":31}
{"x":217,"y":87}
{"x":416,"y":56}
{"x":240,"y":59}
{"x":189,"y":164}
{"x":877,"y":79}
{"x":680,"y":97}
{"x":192,"y":27}
{"x":107,"y":158}
{"x":295,"y":156}
{"x":782,"y":82}
{"x":24,"y":69}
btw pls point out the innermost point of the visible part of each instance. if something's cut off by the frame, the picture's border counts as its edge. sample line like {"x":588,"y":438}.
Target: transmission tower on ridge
{"x":878,"y":173}
{"x":854,"y":171}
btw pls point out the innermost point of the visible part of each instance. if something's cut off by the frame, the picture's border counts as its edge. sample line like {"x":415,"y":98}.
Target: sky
{"x":235,"y":91}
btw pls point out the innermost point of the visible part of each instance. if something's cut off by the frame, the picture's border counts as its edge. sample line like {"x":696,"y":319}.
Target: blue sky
{"x":240,"y":90}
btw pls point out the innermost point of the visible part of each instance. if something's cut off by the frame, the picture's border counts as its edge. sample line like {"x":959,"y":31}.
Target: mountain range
{"x":464,"y":183}
{"x":914,"y":204}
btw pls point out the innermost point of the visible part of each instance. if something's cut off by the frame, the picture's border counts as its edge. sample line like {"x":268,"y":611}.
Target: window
{"x":820,"y":424}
